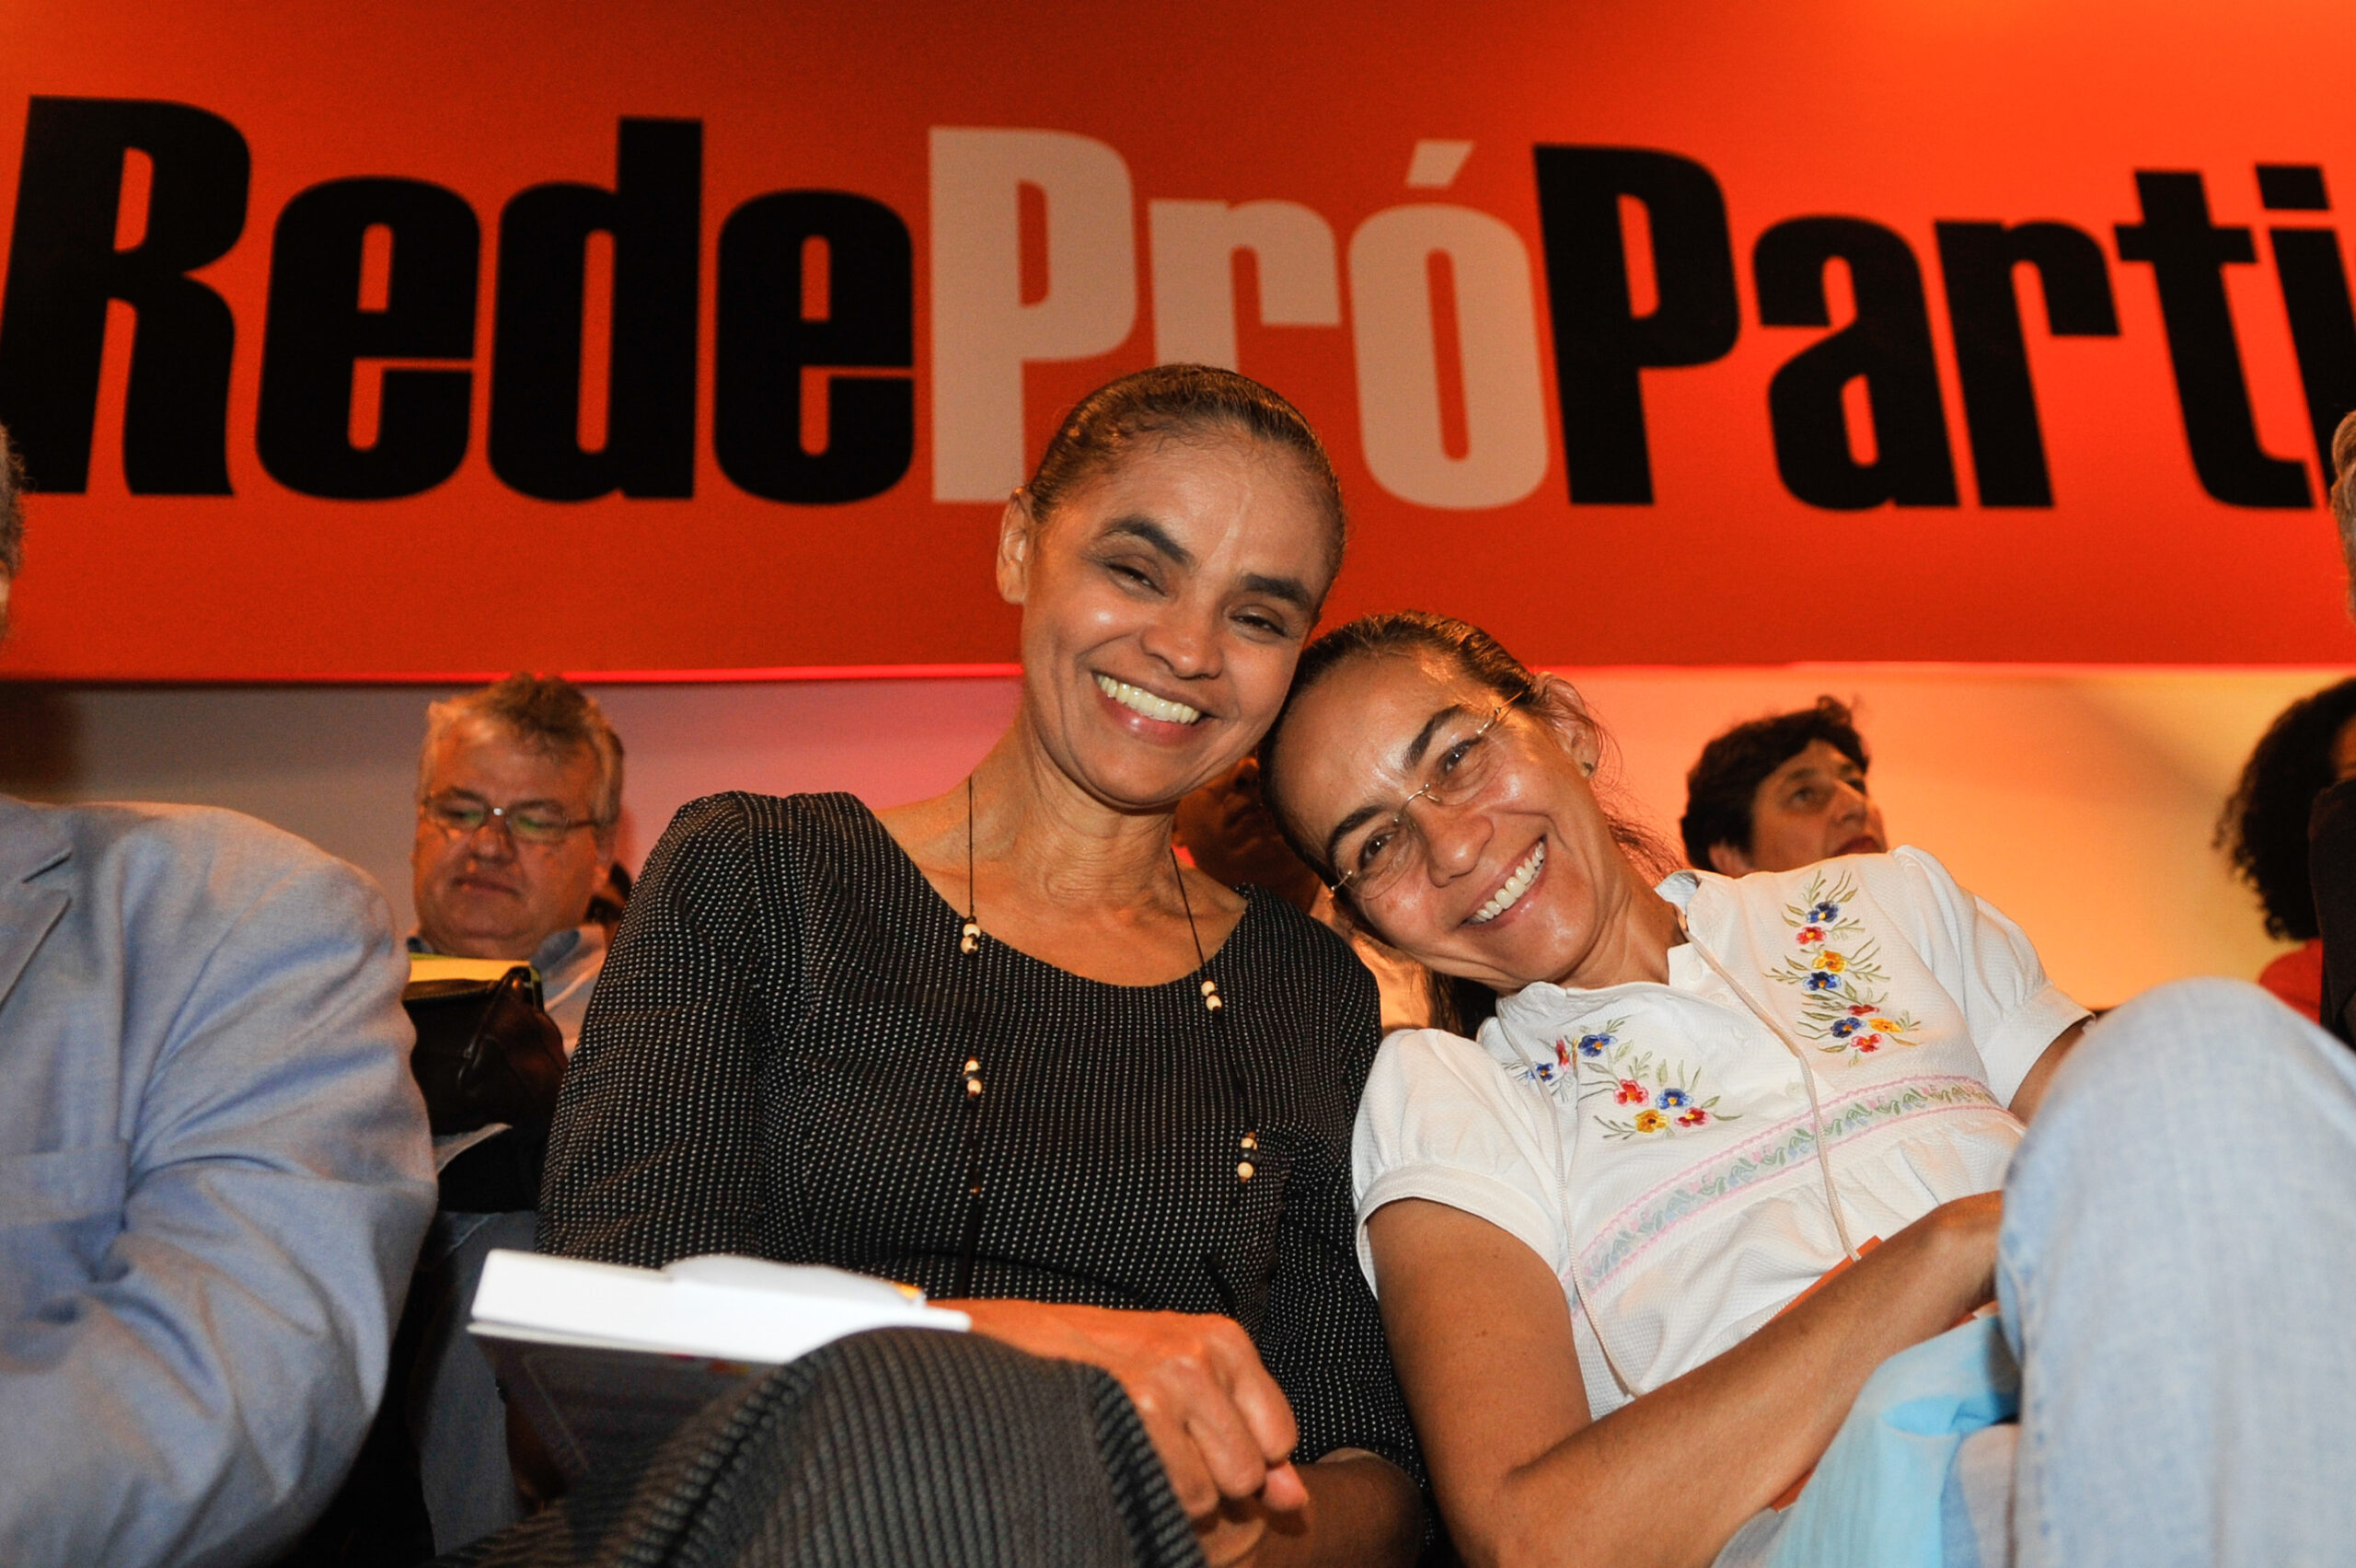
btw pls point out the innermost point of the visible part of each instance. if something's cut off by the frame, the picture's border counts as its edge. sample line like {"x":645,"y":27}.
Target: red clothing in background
{"x":2297,"y":978}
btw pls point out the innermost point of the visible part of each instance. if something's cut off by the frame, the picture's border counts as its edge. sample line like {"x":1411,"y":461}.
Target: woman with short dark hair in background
{"x":2310,"y":746}
{"x":1781,"y":792}
{"x":1001,"y":1045}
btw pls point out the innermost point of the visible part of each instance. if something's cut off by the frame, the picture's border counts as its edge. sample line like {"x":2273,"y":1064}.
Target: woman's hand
{"x":1235,"y":1533}
{"x":1222,"y":1425}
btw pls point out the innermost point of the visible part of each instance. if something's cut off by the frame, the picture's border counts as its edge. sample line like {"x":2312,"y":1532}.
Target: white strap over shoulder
{"x":1808,"y":1076}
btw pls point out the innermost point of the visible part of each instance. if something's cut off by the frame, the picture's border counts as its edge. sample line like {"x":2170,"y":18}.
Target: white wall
{"x":2081,"y":803}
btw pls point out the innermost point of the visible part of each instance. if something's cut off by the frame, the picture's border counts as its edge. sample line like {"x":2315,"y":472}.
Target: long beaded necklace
{"x":969,"y":941}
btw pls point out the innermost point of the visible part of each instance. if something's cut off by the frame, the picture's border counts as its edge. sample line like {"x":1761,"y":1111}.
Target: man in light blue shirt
{"x":215,"y":1173}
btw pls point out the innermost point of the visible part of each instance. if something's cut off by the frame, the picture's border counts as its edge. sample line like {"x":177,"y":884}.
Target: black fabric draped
{"x":907,"y":1448}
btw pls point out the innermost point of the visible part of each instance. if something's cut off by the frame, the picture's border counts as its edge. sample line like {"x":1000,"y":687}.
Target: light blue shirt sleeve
{"x":215,"y":1173}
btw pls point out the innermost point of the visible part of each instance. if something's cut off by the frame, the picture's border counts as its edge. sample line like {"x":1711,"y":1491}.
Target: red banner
{"x":347,"y":342}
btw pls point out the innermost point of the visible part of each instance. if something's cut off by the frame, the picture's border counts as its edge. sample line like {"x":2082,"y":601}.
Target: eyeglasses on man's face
{"x":1379,"y":857}
{"x":541,"y":823}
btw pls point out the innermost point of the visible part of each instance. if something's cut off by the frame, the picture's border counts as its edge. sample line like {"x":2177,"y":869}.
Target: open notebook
{"x":605,"y":1360}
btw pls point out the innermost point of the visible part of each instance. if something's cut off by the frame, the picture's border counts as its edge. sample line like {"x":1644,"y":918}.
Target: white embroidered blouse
{"x":1659,"y":1145}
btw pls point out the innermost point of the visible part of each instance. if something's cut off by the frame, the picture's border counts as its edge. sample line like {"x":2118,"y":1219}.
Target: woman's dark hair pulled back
{"x":2264,"y":828}
{"x":1174,"y":402}
{"x":1458,"y":1004}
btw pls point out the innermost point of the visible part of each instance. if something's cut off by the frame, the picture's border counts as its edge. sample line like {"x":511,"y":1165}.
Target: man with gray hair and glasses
{"x":519,"y":793}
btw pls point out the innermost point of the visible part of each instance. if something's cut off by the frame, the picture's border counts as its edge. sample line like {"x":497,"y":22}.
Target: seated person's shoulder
{"x":1295,"y":932}
{"x":749,"y":851}
{"x":183,"y":853}
{"x":1311,"y":964}
{"x":1429,"y":1067}
{"x":1413,"y":1049}
{"x":1445,"y":1120}
{"x":200,"y":901}
{"x":1897,"y":879}
{"x":738,"y":819}
{"x":1914,"y":886}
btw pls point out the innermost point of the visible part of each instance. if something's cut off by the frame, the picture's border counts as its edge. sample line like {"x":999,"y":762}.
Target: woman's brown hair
{"x":1174,"y":402}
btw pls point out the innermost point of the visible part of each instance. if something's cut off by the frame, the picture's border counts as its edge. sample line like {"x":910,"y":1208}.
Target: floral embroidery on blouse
{"x":1844,"y":995}
{"x":1657,"y":1094}
{"x":1568,"y":1053}
{"x":1768,"y":1152}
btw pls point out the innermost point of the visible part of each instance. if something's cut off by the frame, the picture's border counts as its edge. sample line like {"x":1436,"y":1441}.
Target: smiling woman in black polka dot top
{"x":1002,"y":1046}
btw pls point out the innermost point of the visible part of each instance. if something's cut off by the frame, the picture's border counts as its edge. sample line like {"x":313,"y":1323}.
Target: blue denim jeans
{"x":2177,"y":1273}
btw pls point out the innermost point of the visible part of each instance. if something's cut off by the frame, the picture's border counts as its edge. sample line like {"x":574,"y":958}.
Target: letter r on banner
{"x":983,"y":333}
{"x":1194,"y":274}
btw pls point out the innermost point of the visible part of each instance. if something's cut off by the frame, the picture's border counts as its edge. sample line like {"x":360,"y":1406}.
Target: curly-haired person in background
{"x":2310,"y":746}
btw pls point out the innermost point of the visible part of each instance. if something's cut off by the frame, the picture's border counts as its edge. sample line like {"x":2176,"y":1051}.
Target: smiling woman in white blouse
{"x":1594,"y":1230}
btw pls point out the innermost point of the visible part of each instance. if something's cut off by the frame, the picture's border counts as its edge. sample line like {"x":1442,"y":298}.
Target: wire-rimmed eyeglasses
{"x":535,"y":822}
{"x":1393,"y":846}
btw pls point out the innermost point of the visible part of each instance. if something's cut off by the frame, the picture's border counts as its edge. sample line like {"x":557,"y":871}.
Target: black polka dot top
{"x":774,"y":1064}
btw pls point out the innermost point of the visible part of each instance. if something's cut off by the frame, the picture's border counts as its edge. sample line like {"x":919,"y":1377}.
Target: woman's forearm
{"x":1732,"y":1434}
{"x":1362,"y":1510}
